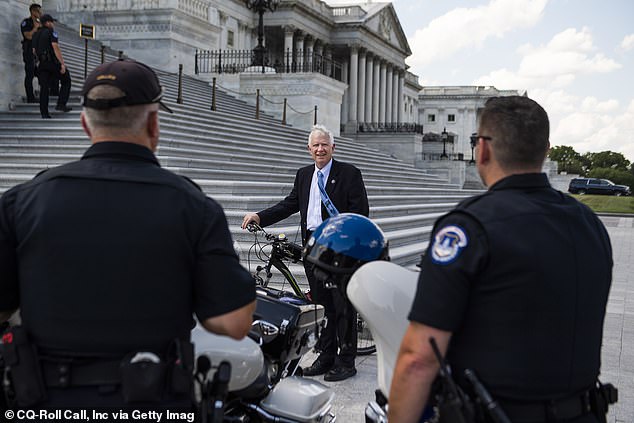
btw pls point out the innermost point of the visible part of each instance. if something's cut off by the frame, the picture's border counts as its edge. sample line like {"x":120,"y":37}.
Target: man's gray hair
{"x":322,"y":130}
{"x":118,"y":119}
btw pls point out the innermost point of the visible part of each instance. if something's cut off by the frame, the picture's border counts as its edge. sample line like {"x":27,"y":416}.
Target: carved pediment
{"x":384,"y":22}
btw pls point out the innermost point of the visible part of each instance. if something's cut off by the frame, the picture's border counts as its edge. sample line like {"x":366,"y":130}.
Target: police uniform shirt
{"x":520,"y":275}
{"x":113,"y":253}
{"x":26,"y":26}
{"x":43,"y":40}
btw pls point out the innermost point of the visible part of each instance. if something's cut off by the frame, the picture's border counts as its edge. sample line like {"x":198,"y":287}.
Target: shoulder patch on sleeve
{"x":24,"y":22}
{"x":448,"y":244}
{"x":55,"y":34}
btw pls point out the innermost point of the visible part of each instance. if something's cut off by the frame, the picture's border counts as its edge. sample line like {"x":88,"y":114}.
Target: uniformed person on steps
{"x":513,"y":286}
{"x":51,"y":66}
{"x":109,"y":257}
{"x":29,"y":27}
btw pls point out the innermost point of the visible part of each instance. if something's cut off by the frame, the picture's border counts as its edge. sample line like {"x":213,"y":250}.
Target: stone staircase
{"x":243,"y":163}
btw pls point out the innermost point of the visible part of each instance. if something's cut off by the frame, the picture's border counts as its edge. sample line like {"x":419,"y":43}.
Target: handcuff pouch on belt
{"x":145,"y":376}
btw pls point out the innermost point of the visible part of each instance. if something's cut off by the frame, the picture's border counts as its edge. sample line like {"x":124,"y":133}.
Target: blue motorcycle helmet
{"x":342,"y":243}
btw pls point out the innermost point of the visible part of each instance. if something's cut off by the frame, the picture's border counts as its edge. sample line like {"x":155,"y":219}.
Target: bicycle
{"x":284,"y":251}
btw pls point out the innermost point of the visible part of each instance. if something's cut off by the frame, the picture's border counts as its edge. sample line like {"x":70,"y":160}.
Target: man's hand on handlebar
{"x":250,"y":217}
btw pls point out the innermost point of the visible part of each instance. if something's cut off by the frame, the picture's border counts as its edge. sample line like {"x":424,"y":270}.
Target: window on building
{"x":431,"y":118}
{"x":451,"y":118}
{"x":229,"y":38}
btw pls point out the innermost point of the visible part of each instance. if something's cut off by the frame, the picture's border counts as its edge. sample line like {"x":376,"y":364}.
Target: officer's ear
{"x":153,"y":129}
{"x":84,"y":124}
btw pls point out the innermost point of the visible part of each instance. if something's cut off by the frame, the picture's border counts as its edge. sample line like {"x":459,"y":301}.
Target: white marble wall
{"x":11,"y":65}
{"x":303,"y":92}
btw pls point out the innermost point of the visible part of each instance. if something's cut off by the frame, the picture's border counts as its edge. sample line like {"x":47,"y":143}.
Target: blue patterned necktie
{"x":332,"y":210}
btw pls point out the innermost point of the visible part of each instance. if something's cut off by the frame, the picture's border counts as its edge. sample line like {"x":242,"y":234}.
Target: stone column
{"x":318,"y":57}
{"x":308,"y":53}
{"x":346,"y":94}
{"x":369,"y":82}
{"x":299,"y":53}
{"x":382,"y":91}
{"x":289,"y":32}
{"x":401,"y":101}
{"x":361,"y":88}
{"x":376,"y":88}
{"x":353,"y":87}
{"x":396,"y":101}
{"x":330,"y":71}
{"x":388,"y":95}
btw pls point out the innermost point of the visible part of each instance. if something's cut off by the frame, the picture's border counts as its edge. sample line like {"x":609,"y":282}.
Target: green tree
{"x":619,"y":177}
{"x":607,"y":160}
{"x":567,"y":158}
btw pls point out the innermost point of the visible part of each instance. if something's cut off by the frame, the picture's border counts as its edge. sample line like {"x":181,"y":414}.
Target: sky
{"x":574,"y":57}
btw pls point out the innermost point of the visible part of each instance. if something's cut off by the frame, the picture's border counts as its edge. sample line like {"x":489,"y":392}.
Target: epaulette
{"x":41,"y":172}
{"x":191,"y":182}
{"x":471,"y":200}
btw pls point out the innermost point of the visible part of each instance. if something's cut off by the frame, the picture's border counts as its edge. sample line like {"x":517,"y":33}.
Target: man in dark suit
{"x":344,"y":192}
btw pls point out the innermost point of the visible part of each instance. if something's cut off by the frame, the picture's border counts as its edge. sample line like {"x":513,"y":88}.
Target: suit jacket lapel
{"x":332,"y":176}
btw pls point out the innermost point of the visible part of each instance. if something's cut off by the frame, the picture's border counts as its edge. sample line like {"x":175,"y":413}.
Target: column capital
{"x":289,"y":29}
{"x":355,"y":47}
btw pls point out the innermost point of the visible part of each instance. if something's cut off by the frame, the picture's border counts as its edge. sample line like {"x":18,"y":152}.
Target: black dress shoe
{"x":46,"y":117}
{"x":319,"y":367}
{"x":63,"y":108}
{"x":339,"y":373}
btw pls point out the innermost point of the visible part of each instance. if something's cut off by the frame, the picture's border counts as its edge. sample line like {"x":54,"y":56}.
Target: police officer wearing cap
{"x":110,"y":256}
{"x":28,"y":27}
{"x":514,"y":285}
{"x":51,"y":66}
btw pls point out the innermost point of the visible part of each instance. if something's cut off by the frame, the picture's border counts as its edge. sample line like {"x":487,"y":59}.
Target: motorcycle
{"x":382,"y":292}
{"x":265,"y":382}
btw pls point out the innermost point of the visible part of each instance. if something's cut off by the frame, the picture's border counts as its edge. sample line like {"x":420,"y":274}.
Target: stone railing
{"x":196,"y":8}
{"x":348,"y":11}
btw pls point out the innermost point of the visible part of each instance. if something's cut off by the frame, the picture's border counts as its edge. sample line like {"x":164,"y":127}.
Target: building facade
{"x":456,"y":110}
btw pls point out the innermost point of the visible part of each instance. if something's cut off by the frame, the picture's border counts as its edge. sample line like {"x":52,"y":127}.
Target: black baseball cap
{"x":47,"y":18}
{"x":137,"y":80}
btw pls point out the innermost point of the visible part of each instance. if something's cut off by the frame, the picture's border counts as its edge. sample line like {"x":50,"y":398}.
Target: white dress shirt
{"x":313,"y":216}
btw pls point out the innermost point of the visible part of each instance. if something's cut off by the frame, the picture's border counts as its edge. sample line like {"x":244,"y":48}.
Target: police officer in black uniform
{"x":110,"y":256}
{"x":513,"y":286}
{"x":51,"y":66}
{"x":29,"y":26}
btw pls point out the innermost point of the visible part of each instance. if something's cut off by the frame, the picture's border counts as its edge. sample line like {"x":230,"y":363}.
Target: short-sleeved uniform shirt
{"x":43,"y":41}
{"x":113,"y":253}
{"x":520,"y":275}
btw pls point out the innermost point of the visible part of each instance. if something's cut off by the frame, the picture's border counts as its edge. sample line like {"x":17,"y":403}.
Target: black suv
{"x":597,"y":186}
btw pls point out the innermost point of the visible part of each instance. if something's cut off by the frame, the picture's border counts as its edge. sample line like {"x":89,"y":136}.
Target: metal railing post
{"x":179,"y":97}
{"x":213,"y":95}
{"x":219,"y":61}
{"x":103,"y":53}
{"x":120,"y":54}
{"x":284,"y":113}
{"x":196,"y":62}
{"x":85,"y":57}
{"x":257,"y":103}
{"x":315,"y":119}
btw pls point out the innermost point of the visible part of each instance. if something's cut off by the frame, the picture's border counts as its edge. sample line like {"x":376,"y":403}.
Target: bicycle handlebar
{"x":291,"y":250}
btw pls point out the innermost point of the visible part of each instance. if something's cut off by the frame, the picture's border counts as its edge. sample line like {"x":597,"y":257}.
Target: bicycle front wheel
{"x":365,"y":342}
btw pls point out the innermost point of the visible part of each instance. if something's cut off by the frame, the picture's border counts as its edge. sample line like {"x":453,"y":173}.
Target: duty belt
{"x":65,"y":374}
{"x":549,"y":410}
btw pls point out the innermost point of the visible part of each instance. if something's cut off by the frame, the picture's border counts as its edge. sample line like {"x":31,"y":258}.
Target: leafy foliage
{"x":570,"y":161}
